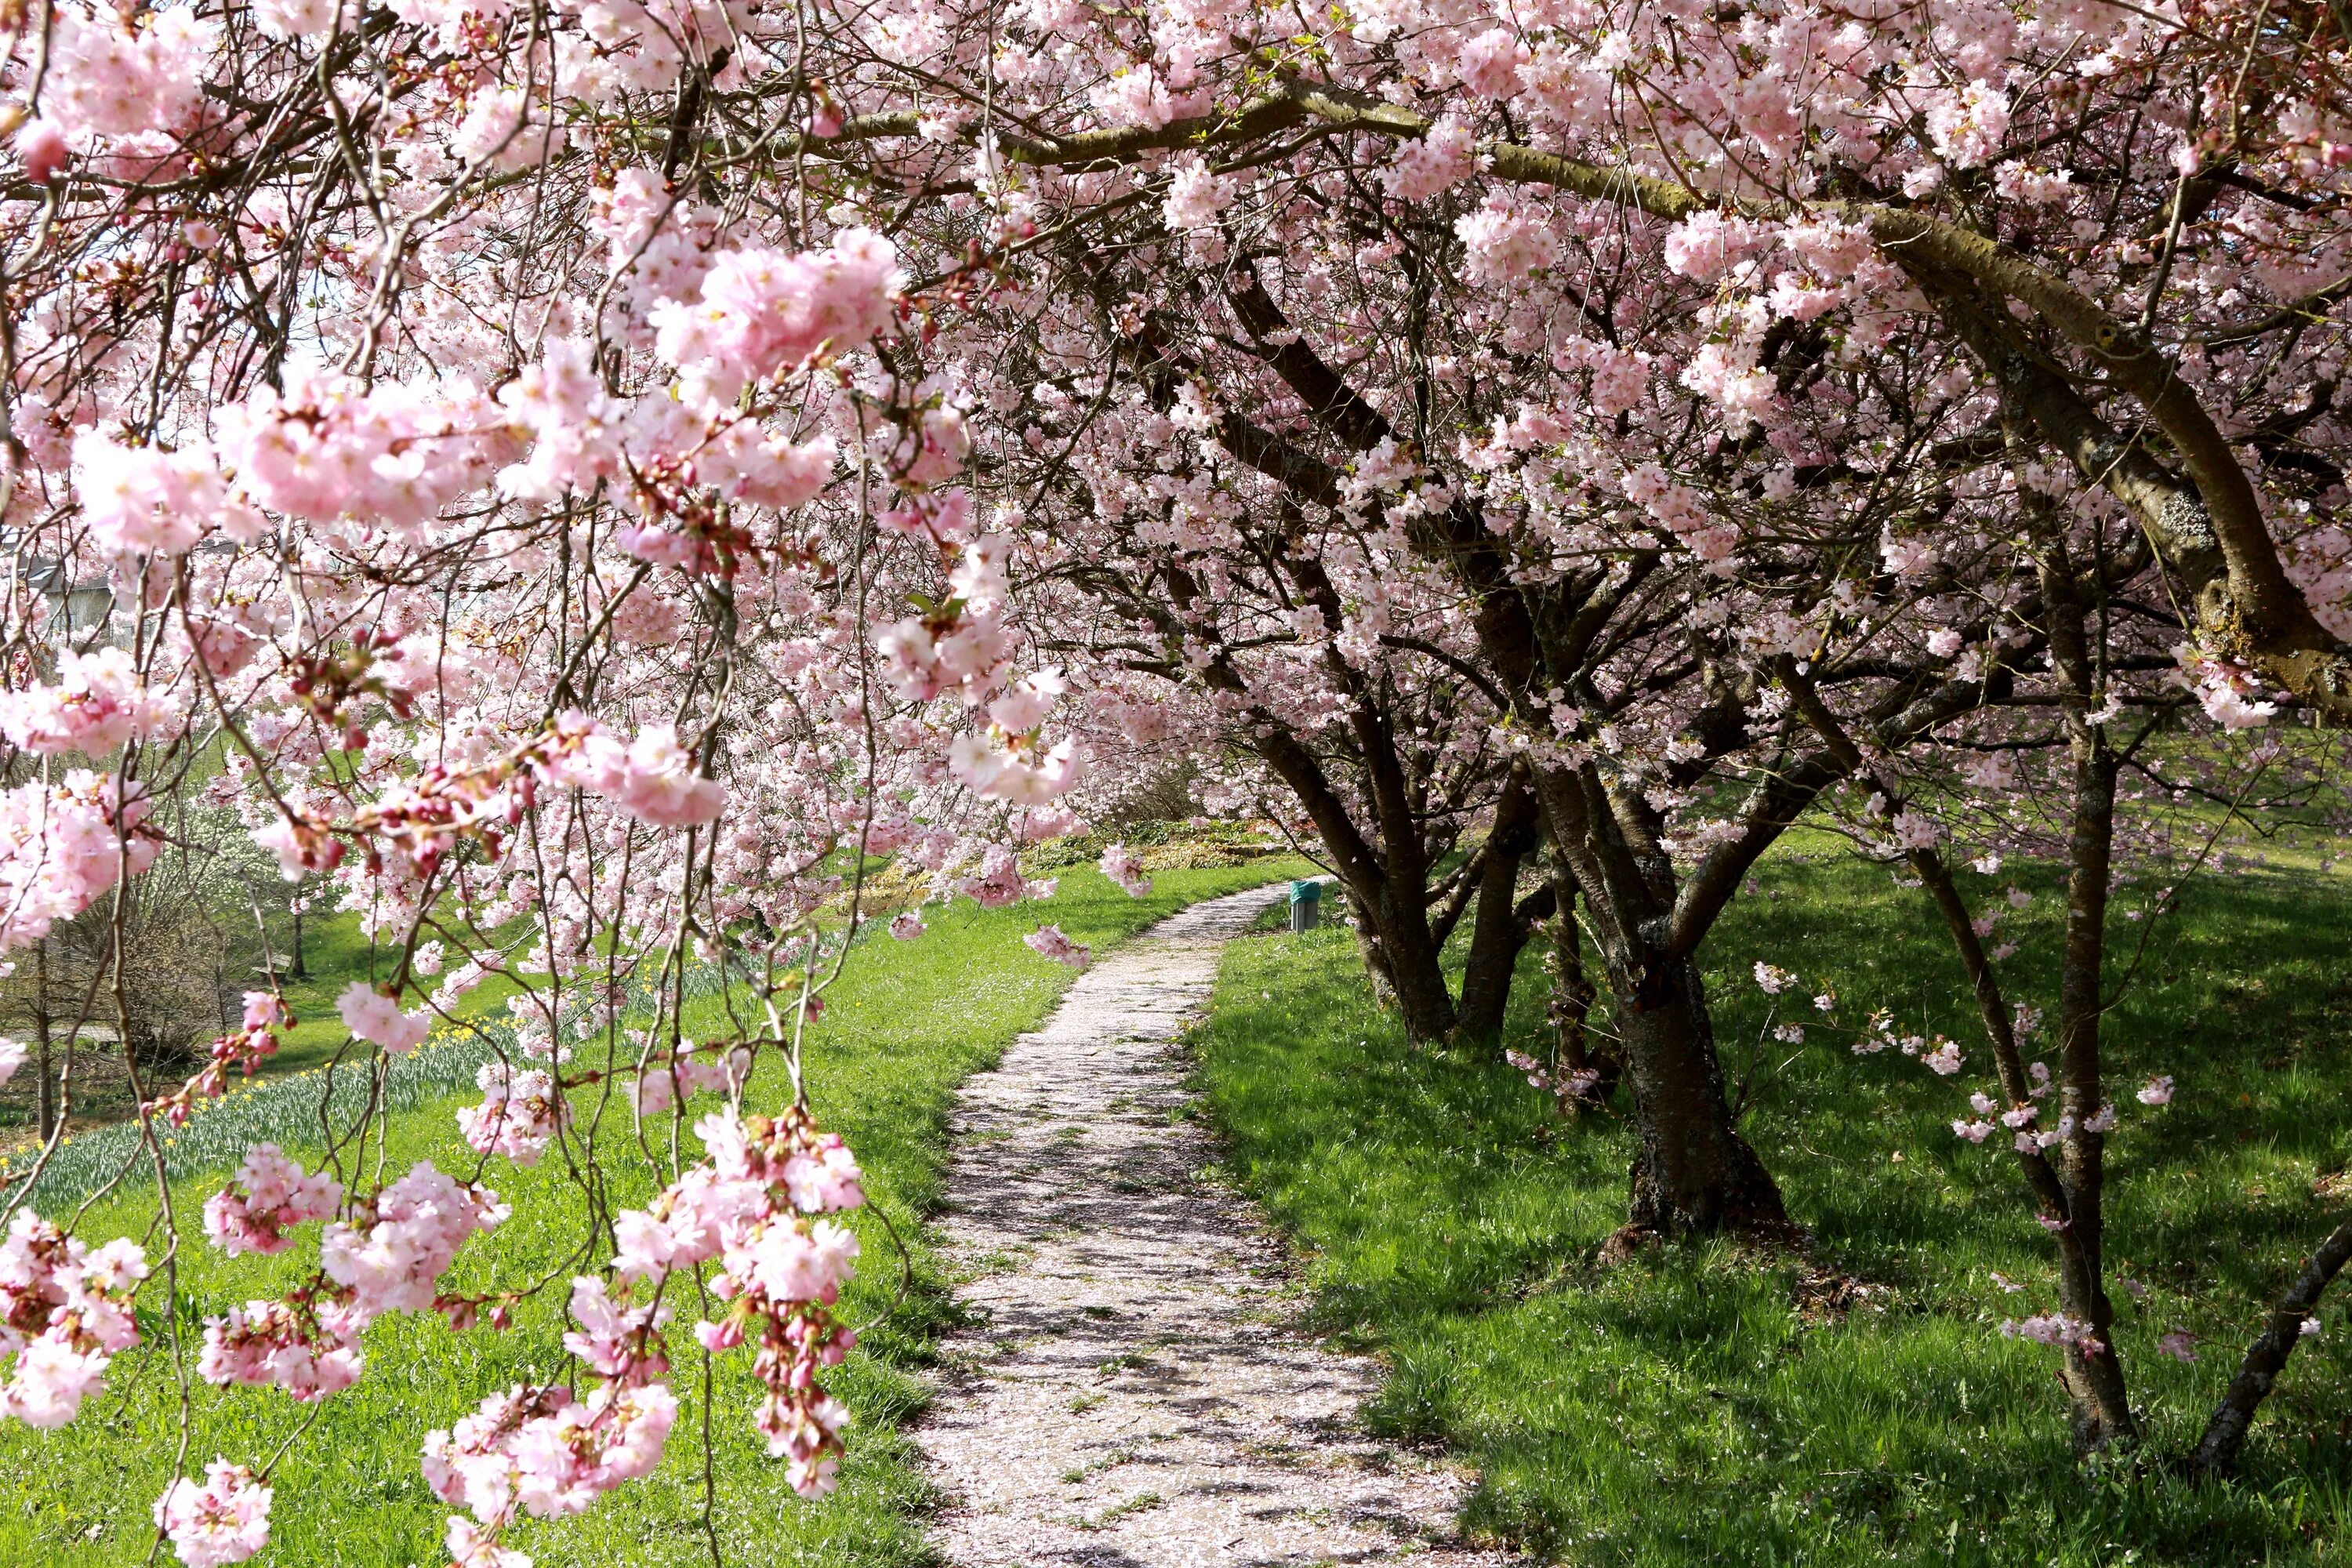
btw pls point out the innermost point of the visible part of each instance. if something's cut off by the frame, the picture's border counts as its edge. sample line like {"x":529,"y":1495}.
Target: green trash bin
{"x":1305,"y":905}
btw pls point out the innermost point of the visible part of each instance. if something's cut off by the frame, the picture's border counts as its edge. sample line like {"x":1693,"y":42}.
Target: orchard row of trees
{"x":582,"y":479}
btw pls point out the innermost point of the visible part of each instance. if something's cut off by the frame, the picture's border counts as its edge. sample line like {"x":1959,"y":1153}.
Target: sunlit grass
{"x":905,"y":1024}
{"x":1683,"y":1410}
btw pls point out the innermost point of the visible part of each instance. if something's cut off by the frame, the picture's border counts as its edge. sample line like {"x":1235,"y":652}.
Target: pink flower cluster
{"x":2054,"y":1329}
{"x":225,"y":1519}
{"x":143,"y":501}
{"x":388,"y":1256}
{"x":65,"y":1311}
{"x":998,"y":880}
{"x":375,"y":1018}
{"x":394,"y":1251}
{"x":690,"y":1071}
{"x":754,"y":1205}
{"x":541,"y":1451}
{"x":107,"y":78}
{"x":1052,"y":941}
{"x":307,"y":1345}
{"x":520,"y":1115}
{"x":267,"y":1197}
{"x":96,"y":704}
{"x":652,"y":778}
{"x":330,"y":446}
{"x":244,"y":1049}
{"x":1121,"y":865}
{"x":544,"y":1452}
{"x":1576,"y":1087}
{"x":63,"y":844}
{"x":763,"y":312}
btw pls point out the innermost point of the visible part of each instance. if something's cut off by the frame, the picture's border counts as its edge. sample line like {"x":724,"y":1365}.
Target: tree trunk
{"x":2103,"y":1414}
{"x":1591,"y":1076}
{"x":1409,"y":959}
{"x":1496,"y":932}
{"x":2225,"y":1434}
{"x":1692,"y":1174}
{"x":45,"y":1093}
{"x":295,"y":968}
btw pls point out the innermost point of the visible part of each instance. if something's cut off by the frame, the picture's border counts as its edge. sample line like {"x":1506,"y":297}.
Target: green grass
{"x":334,"y":954}
{"x":1684,"y":1409}
{"x":904,"y":1026}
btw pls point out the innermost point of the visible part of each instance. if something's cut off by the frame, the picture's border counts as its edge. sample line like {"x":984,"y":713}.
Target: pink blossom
{"x":1490,"y":63}
{"x":374,"y":1016}
{"x":300,"y":844}
{"x":2056,"y":1329}
{"x":1195,"y":195}
{"x":307,"y":1348}
{"x":906,"y":925}
{"x":225,"y":1520}
{"x":1967,"y":126}
{"x":268,"y":1195}
{"x":2157,"y":1090}
{"x":41,"y":147}
{"x":63,"y":844}
{"x":393,"y":1252}
{"x":470,"y":1546}
{"x":1121,"y":865}
{"x":521,"y":1113}
{"x":1506,"y":238}
{"x":1441,"y":160}
{"x":141,"y":500}
{"x":1771,"y":979}
{"x":1049,"y":941}
{"x":660,"y":785}
{"x":65,"y":1312}
{"x":96,"y":704}
{"x":2179,"y":1344}
{"x":763,"y":312}
{"x":1707,"y":244}
{"x":1014,"y":770}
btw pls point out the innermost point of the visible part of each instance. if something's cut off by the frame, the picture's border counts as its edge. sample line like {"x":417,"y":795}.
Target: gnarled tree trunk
{"x":1499,"y":927}
{"x":1693,"y":1173}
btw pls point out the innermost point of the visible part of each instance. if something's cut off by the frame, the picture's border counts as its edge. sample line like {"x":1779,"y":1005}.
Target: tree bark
{"x":1693,"y":1173}
{"x":2216,"y":1455}
{"x":2094,"y":1375}
{"x":45,"y":1093}
{"x":1496,"y":932}
{"x":2103,"y":1413}
{"x":1412,"y":960}
{"x":1572,"y":996}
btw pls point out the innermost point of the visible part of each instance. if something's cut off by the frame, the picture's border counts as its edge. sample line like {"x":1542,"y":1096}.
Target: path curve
{"x":1137,"y":1394}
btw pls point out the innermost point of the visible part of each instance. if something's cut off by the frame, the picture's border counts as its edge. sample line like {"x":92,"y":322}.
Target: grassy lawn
{"x":1683,"y":1410}
{"x":905,"y":1024}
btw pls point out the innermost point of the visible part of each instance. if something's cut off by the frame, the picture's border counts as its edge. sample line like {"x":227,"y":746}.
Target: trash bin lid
{"x":1306,"y":893}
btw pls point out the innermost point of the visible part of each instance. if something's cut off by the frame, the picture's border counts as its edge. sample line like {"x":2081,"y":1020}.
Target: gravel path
{"x":1137,"y":1395}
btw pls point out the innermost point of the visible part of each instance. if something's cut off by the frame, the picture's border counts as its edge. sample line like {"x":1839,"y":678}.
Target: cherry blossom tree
{"x":419,"y":448}
{"x":570,"y":479}
{"x":1581,"y":288}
